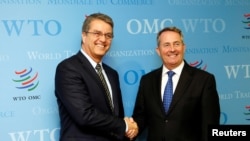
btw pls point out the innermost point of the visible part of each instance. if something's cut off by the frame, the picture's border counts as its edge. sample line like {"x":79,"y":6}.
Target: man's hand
{"x":132,"y":128}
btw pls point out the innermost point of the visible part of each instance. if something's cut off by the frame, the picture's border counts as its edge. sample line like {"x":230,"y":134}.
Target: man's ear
{"x":157,"y":50}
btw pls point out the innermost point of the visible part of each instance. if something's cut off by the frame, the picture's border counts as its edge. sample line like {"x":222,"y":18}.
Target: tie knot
{"x":170,"y":73}
{"x":98,"y":67}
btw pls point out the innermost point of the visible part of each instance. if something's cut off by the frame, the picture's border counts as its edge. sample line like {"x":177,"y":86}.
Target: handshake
{"x":132,"y":128}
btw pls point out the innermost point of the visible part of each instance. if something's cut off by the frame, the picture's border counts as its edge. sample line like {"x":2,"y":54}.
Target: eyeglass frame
{"x":99,"y":34}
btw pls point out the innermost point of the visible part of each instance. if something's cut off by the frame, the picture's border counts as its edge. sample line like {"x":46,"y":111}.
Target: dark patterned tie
{"x":168,"y":92}
{"x":99,"y":72}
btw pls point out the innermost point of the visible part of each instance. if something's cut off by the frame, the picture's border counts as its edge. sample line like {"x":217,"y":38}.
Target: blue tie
{"x":168,"y":92}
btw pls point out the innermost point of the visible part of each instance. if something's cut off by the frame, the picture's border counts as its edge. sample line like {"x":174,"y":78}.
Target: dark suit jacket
{"x":195,"y":105}
{"x":83,"y":105}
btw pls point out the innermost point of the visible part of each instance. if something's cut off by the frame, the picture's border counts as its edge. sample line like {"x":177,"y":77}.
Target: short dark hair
{"x":174,"y":29}
{"x":94,"y":16}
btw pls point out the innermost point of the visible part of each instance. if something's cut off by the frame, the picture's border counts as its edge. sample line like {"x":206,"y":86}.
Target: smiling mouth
{"x":172,"y":55}
{"x":102,"y":46}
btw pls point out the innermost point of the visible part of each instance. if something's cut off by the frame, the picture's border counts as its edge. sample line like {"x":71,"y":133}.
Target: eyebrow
{"x":172,"y":42}
{"x":102,"y":32}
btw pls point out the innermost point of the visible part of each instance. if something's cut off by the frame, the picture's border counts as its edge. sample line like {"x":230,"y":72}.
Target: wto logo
{"x":248,"y":112}
{"x":247,"y":21}
{"x":26,"y":79}
{"x":198,"y":65}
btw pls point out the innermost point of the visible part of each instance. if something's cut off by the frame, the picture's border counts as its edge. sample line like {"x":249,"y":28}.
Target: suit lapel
{"x":88,"y":67}
{"x":157,"y":89}
{"x":113,"y":85}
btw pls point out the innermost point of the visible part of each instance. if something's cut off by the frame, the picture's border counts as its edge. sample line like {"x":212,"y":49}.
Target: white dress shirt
{"x":175,"y":77}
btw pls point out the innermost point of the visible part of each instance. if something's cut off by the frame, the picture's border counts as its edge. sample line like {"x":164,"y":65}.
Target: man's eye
{"x":97,"y":34}
{"x":109,"y":36}
{"x":166,"y":45}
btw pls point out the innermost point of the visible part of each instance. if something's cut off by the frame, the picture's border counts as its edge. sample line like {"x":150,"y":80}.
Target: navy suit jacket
{"x":195,"y":105}
{"x":83,"y":106}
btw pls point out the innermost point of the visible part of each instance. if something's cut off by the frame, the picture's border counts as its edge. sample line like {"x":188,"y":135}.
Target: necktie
{"x":99,"y":71}
{"x":168,"y":92}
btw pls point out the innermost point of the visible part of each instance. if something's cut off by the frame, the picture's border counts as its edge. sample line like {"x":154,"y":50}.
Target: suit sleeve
{"x":210,"y":106}
{"x":139,"y":109}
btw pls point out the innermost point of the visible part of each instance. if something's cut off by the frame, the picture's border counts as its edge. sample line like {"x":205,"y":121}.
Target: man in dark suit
{"x":88,"y":109}
{"x":195,"y":103}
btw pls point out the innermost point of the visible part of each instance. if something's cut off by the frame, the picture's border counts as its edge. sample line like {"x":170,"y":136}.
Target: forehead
{"x":100,"y":25}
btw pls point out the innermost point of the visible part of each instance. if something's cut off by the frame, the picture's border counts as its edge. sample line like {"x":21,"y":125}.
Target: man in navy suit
{"x":195,"y":102}
{"x":86,"y":112}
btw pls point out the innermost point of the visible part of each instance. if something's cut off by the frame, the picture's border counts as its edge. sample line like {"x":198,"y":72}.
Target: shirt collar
{"x":92,"y":62}
{"x":177,"y":70}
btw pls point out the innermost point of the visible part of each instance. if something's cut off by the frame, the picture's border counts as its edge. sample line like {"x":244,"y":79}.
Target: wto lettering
{"x":37,"y":135}
{"x":23,"y":98}
{"x":146,"y":26}
{"x":233,"y":71}
{"x":37,"y":27}
{"x":35,"y":55}
{"x":132,"y":77}
{"x":207,"y":25}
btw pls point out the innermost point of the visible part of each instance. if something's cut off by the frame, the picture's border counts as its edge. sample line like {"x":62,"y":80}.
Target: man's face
{"x":97,"y":40}
{"x":171,"y":49}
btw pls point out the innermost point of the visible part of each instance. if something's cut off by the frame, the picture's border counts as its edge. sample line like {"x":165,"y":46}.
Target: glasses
{"x":98,"y":34}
